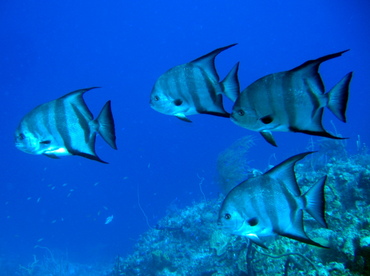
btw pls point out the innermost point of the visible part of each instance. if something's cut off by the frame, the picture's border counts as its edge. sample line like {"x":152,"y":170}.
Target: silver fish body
{"x":194,"y":88}
{"x":272,"y":204}
{"x":291,"y":101}
{"x":65,"y":126}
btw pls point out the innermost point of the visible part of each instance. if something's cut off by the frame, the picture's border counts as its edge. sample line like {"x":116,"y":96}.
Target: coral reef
{"x":188,"y":241}
{"x":53,"y":263}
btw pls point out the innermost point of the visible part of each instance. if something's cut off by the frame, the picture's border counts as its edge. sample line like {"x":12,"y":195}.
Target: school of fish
{"x":290,"y":101}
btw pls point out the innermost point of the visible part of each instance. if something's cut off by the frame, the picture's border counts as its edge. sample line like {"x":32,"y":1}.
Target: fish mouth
{"x":152,"y":104}
{"x":234,"y":117}
{"x":18,"y":146}
{"x":160,"y":107}
{"x":232,"y":228}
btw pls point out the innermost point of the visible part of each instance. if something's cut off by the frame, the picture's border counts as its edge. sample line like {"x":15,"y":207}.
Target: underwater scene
{"x":201,"y":138}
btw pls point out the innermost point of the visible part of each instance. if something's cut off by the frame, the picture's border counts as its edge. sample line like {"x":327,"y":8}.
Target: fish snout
{"x":220,"y":225}
{"x":20,"y":141}
{"x":151,"y":103}
{"x":233,"y":117}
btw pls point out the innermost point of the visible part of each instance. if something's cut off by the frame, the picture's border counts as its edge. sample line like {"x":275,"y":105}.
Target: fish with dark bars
{"x":272,"y":204}
{"x":65,"y":126}
{"x":194,"y":88}
{"x":291,"y":101}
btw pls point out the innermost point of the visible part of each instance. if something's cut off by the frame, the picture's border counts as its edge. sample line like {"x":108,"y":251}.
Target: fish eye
{"x":177,"y":102}
{"x":156,"y":98}
{"x":46,"y":142}
{"x":21,"y":136}
{"x":227,"y":216}
{"x":267,"y":119}
{"x":241,"y":112}
{"x":253,"y":221}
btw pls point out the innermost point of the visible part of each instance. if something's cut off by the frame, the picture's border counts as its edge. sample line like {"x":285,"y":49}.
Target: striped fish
{"x":194,"y":88}
{"x":291,"y":101}
{"x":65,"y":126}
{"x":272,"y":204}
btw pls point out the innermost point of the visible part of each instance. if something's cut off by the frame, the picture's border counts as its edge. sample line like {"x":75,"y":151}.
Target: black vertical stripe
{"x":33,"y":122}
{"x":62,"y":124}
{"x":273,"y":93}
{"x":292,"y":203}
{"x":191,"y":87}
{"x":180,"y":92}
{"x":47,"y":119}
{"x":50,"y":120}
{"x":254,"y":203}
{"x":289,"y":99}
{"x":210,"y":87}
{"x":83,"y":123}
{"x":271,"y":202}
{"x":314,"y":100}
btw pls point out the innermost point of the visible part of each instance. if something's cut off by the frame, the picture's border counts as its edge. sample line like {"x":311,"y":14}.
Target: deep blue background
{"x":49,"y":48}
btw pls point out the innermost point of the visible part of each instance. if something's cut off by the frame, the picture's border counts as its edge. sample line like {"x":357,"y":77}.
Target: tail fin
{"x":338,"y":97}
{"x":315,"y":201}
{"x":106,"y":125}
{"x":230,"y":85}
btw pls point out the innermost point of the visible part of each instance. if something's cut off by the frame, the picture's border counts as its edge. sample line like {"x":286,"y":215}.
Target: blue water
{"x":49,"y":48}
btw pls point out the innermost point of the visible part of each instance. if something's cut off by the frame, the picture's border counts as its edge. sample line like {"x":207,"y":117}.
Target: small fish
{"x":292,"y":101}
{"x":65,"y":126}
{"x":272,"y":204}
{"x":194,"y":88}
{"x":109,"y":219}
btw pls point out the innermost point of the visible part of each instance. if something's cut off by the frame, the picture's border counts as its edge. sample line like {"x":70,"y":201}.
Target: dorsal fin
{"x":310,"y":69}
{"x":78,"y":92}
{"x":208,"y":61}
{"x":285,"y":172}
{"x":312,"y":66}
{"x":76,"y":98}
